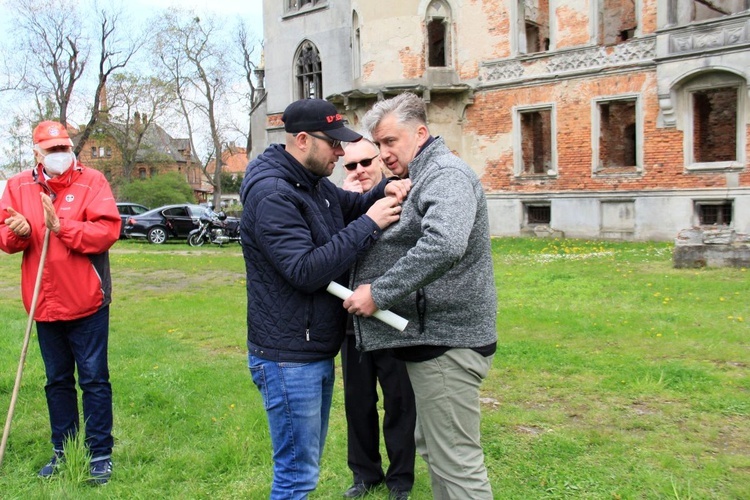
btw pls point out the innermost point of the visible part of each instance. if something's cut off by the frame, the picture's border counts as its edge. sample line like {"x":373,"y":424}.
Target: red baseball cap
{"x":49,"y":134}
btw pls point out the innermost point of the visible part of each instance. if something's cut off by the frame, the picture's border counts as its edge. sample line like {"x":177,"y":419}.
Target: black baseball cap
{"x":311,"y":115}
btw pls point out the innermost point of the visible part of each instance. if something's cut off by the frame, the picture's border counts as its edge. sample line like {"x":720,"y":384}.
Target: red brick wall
{"x":490,"y":117}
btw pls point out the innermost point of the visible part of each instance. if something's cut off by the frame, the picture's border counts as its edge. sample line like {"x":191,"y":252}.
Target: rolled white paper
{"x":387,"y":317}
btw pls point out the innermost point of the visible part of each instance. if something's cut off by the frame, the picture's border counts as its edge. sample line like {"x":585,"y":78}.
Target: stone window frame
{"x":596,"y":126}
{"x":596,"y":10}
{"x":302,"y":79}
{"x":541,"y":204}
{"x":706,"y":81}
{"x":518,"y":170}
{"x":356,"y":43}
{"x":301,"y":7}
{"x":675,"y":12}
{"x":439,"y":10}
{"x":518,"y":29}
{"x":699,"y":204}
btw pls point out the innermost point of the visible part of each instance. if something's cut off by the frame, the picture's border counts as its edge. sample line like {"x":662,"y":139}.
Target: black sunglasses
{"x":334,"y":143}
{"x":365,"y":163}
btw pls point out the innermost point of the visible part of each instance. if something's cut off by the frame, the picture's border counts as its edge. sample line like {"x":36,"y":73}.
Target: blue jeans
{"x":82,"y":343}
{"x":297,"y":398}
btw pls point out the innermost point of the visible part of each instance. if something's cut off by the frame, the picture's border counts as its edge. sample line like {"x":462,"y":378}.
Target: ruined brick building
{"x":621,"y":119}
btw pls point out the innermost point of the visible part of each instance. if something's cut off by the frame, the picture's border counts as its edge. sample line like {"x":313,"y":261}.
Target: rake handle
{"x":25,"y":348}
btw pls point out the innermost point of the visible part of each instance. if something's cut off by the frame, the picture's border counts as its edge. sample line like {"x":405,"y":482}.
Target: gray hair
{"x":407,"y":107}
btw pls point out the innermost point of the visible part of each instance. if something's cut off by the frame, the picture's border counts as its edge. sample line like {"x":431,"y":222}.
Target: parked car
{"x":126,"y":210}
{"x":160,"y":224}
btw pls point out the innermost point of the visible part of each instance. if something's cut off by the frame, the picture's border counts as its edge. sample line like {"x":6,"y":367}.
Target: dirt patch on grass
{"x":171,"y":279}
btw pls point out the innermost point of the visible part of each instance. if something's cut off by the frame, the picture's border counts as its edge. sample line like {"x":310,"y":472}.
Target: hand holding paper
{"x":387,"y":317}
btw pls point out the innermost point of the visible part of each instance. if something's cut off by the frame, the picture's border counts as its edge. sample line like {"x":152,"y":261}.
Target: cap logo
{"x":334,"y":118}
{"x":53,"y":131}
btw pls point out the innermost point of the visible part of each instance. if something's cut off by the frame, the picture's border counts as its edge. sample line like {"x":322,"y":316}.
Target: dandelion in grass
{"x":739,"y":318}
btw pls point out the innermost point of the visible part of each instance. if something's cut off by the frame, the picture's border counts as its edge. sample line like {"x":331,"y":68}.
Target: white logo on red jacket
{"x":69,"y":198}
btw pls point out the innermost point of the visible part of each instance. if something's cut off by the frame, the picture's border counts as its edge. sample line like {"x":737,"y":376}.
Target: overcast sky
{"x":250,"y":11}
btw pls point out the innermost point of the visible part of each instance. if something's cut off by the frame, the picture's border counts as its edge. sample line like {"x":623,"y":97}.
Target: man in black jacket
{"x":299,"y":232}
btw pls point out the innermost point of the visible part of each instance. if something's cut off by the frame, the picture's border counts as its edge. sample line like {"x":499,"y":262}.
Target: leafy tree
{"x":163,"y":189}
{"x":17,"y":156}
{"x":230,"y":183}
{"x":124,"y":123}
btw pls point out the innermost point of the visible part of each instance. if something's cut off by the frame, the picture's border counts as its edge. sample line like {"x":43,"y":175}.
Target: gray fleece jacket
{"x":434,"y":266}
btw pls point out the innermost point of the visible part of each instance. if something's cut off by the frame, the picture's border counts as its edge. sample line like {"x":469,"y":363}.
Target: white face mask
{"x":57,"y":163}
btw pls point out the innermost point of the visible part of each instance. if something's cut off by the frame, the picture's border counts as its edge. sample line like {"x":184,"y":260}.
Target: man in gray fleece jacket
{"x":434,"y":267}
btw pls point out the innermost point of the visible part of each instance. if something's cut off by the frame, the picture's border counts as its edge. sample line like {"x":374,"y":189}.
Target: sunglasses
{"x":365,"y":163}
{"x":334,"y":143}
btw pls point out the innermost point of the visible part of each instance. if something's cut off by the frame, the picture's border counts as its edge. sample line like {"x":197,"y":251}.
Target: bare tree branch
{"x":52,"y":38}
{"x":191,"y":55}
{"x":114,"y":54}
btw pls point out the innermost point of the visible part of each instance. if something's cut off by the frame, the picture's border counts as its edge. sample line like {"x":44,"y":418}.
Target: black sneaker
{"x":100,"y":471}
{"x":51,"y":467}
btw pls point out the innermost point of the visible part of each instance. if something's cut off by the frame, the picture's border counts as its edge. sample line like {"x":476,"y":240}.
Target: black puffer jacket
{"x":299,"y":232}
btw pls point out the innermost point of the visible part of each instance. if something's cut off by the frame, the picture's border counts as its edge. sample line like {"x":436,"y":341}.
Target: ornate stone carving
{"x":503,"y":70}
{"x":710,"y":38}
{"x":570,"y":61}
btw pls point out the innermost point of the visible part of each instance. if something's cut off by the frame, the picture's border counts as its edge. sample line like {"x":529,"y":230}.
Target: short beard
{"x":313,"y":164}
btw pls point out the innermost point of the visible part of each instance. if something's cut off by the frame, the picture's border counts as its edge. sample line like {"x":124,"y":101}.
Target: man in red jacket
{"x":72,"y":316}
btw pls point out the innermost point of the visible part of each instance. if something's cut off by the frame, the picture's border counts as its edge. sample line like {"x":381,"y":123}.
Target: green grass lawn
{"x":616,"y":376}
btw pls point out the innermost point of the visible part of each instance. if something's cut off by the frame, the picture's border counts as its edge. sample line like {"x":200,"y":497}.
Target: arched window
{"x":308,"y":72}
{"x":438,"y":40}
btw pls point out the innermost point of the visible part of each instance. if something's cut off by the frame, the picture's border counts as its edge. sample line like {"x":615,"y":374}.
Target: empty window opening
{"x":536,"y":141}
{"x":714,"y":213}
{"x":536,"y":26}
{"x":309,"y":72}
{"x":618,"y":21}
{"x":715,"y":125}
{"x":437,"y":34}
{"x":538,"y":214}
{"x":356,"y":47}
{"x":141,"y":173}
{"x":702,"y":10}
{"x":617,"y":134}
{"x":686,"y":11}
{"x":94,"y":151}
{"x":436,"y":42}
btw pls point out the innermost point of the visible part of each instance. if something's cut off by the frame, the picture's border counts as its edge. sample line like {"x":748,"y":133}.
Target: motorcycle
{"x":215,"y":227}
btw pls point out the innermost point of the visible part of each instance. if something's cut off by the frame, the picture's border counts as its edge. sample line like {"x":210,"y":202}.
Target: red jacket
{"x":76,"y":280}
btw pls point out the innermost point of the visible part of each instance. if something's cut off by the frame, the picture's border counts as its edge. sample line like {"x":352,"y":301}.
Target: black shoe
{"x":101,"y":471}
{"x":358,"y":490}
{"x":51,"y":467}
{"x":399,"y":495}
